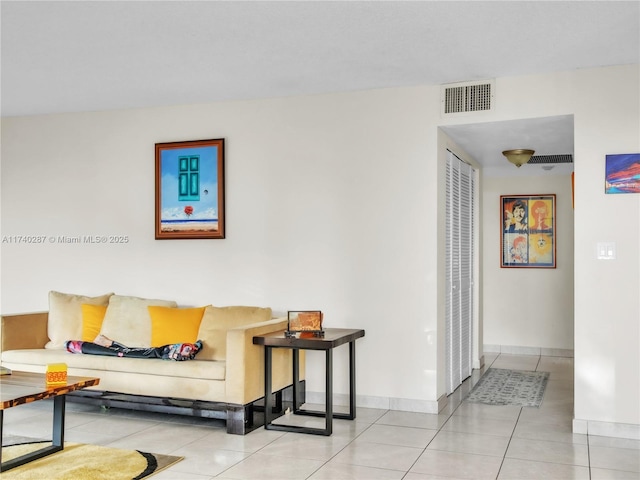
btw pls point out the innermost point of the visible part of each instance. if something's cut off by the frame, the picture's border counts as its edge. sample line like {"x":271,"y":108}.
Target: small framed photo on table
{"x":304,"y":322}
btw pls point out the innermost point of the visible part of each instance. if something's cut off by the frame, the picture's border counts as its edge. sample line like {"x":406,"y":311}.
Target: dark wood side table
{"x":333,"y":337}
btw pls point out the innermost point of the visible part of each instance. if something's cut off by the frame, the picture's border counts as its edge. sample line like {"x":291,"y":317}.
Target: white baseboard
{"x":606,"y":429}
{"x":517,"y":350}
{"x":421,"y":406}
{"x":383,"y":403}
{"x":478,"y":364}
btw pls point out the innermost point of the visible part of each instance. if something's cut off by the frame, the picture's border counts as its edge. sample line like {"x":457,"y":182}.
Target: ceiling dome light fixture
{"x":519,"y":156}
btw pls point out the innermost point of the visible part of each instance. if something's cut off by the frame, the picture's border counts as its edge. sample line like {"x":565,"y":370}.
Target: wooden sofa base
{"x":240,"y":419}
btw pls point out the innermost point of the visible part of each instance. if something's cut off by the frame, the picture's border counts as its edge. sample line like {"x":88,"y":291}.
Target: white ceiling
{"x":546,"y":136}
{"x":99,"y":55}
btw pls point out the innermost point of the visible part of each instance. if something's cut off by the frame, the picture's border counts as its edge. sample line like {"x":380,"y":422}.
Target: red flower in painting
{"x":188,"y":210}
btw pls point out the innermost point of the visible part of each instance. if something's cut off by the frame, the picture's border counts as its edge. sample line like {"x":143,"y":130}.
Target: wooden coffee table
{"x":21,"y":388}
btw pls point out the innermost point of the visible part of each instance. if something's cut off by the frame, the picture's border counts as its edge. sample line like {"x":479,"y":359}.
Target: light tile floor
{"x":466,"y":440}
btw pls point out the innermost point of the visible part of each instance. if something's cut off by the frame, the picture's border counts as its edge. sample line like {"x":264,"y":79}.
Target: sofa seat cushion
{"x":196,"y":369}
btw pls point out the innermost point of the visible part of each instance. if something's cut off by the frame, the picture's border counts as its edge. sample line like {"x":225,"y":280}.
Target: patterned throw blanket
{"x":176,"y":351}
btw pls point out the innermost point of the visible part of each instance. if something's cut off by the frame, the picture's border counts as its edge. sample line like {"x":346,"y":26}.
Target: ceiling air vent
{"x":545,"y":159}
{"x":467,"y":97}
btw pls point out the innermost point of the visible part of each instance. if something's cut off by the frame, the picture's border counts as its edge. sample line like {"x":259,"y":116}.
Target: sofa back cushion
{"x":127,"y":320}
{"x":65,"y":316}
{"x":217,"y":320}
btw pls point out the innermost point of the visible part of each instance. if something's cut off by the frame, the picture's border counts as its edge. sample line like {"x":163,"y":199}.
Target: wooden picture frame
{"x":190,"y":194}
{"x":528,"y":231}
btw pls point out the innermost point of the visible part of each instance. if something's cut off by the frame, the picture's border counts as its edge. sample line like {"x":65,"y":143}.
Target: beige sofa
{"x":225,"y":379}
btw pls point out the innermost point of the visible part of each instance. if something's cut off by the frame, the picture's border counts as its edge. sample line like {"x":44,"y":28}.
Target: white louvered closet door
{"x":459,"y":270}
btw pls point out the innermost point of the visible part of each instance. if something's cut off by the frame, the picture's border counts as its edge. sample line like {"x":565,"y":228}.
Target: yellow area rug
{"x":85,"y":462}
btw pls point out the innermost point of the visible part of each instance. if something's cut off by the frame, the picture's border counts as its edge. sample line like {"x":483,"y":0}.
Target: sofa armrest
{"x":245,"y":362}
{"x":25,"y":330}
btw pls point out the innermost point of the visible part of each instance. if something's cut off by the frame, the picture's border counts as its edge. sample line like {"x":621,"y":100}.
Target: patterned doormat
{"x":510,"y":387}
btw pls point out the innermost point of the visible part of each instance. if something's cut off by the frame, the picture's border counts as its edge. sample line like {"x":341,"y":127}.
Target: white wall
{"x":325,"y":201}
{"x":528,"y":307}
{"x":607,"y":292}
{"x":332,"y":203}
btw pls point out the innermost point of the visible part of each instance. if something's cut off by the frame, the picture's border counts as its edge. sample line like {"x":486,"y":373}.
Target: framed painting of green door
{"x":190,"y":190}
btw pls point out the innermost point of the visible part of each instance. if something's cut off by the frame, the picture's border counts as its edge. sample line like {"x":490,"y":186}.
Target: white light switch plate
{"x":606,"y":250}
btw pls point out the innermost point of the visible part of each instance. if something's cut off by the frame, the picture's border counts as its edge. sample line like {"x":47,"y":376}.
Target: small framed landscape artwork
{"x":305,"y":321}
{"x":528,"y":231}
{"x":190,"y":189}
{"x":622,"y":173}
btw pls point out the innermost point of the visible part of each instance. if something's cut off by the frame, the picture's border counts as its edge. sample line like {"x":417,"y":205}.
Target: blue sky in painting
{"x":207,"y":206}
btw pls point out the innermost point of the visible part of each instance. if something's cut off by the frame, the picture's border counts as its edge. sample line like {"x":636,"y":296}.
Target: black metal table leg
{"x":58,"y":420}
{"x":296,"y":379}
{"x":267,"y":387}
{"x":1,"y":423}
{"x":352,"y":380}
{"x":57,"y":443}
{"x":328,"y":429}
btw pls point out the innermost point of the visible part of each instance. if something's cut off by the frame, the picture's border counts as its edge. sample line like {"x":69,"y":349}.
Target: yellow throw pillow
{"x":174,"y":325}
{"x":92,"y":317}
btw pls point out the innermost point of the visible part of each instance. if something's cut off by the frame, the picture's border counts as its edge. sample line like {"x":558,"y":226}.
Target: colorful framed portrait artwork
{"x":528,"y":231}
{"x":622,"y":173}
{"x":190,"y":189}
